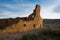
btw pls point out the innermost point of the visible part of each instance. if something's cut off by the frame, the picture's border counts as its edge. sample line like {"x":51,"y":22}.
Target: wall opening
{"x":34,"y":25}
{"x":24,"y":25}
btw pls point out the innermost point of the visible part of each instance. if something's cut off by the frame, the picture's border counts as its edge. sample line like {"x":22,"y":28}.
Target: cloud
{"x":8,"y":7}
{"x":57,"y":9}
{"x":22,"y":8}
{"x":8,"y":14}
{"x":47,"y":12}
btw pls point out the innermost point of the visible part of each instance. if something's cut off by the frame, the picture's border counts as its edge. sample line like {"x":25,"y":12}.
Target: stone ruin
{"x":32,"y":22}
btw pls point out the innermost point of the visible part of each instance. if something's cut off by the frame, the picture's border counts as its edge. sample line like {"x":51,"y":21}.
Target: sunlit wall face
{"x":50,"y":9}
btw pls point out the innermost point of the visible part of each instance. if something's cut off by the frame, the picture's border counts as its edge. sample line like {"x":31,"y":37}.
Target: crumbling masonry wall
{"x":32,"y":22}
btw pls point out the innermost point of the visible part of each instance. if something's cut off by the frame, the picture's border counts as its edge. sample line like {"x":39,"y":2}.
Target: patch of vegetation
{"x":42,"y":36}
{"x":49,"y":34}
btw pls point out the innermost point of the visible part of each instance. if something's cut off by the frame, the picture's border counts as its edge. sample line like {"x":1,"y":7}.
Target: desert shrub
{"x":29,"y":37}
{"x":47,"y":34}
{"x":42,"y":35}
{"x":59,"y":26}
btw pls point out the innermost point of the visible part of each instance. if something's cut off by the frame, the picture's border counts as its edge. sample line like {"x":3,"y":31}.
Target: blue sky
{"x":50,"y":9}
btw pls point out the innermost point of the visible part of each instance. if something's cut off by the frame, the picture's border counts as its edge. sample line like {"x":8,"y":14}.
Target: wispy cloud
{"x":57,"y":9}
{"x":22,"y":8}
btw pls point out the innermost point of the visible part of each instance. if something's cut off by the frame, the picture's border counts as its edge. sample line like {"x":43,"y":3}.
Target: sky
{"x":50,"y":9}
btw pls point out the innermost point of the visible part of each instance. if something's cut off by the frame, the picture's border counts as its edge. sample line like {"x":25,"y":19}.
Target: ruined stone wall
{"x":32,"y":22}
